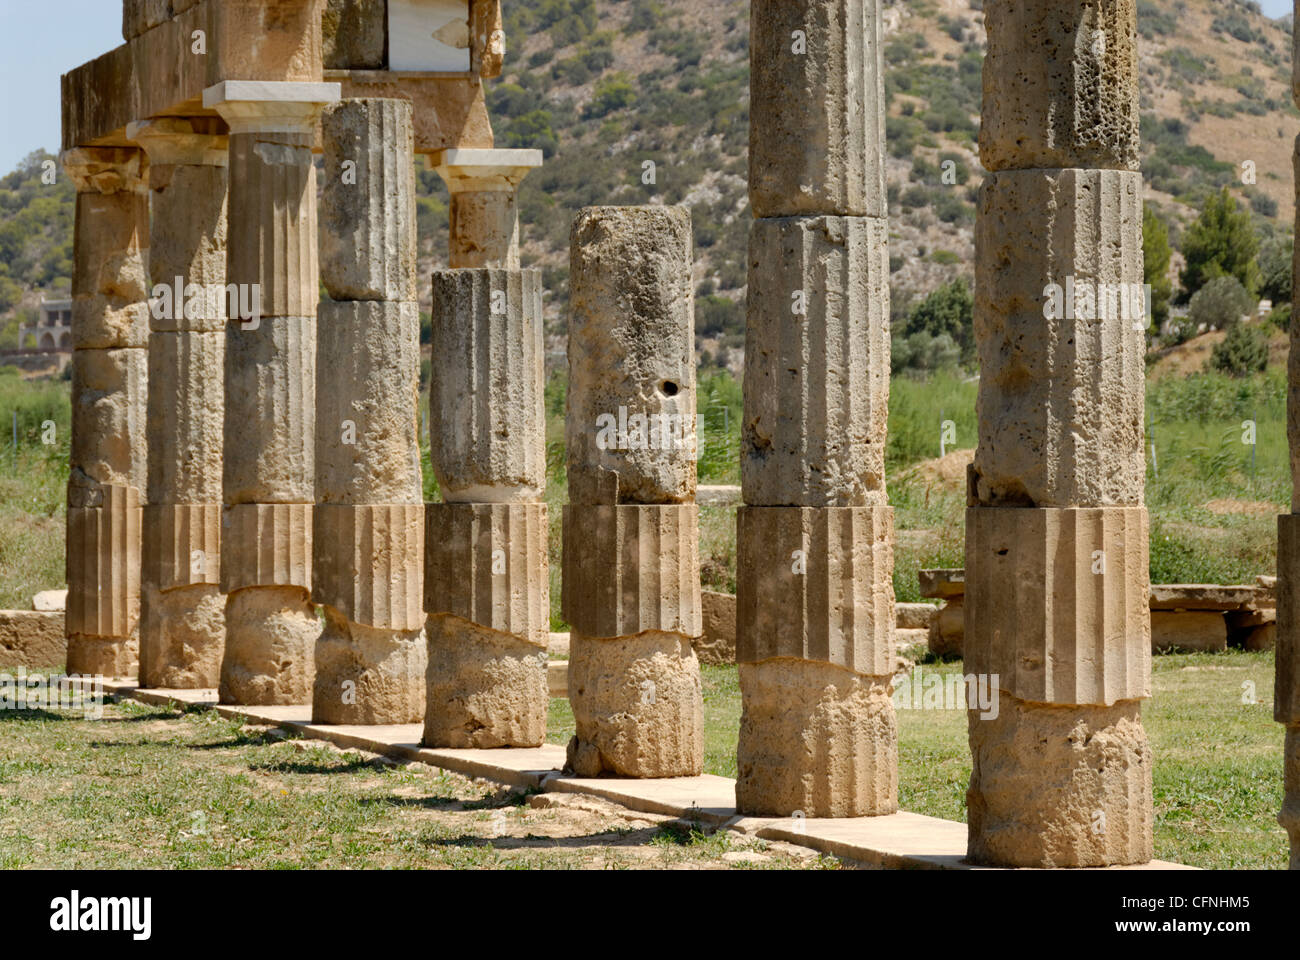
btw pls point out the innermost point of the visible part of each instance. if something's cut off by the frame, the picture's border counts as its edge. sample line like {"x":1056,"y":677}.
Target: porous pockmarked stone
{"x":1060,"y":317}
{"x":270,"y":644}
{"x":816,"y":363}
{"x":109,"y":403}
{"x":270,"y":412}
{"x":368,"y":376}
{"x":1058,"y":786}
{"x":638,"y":707}
{"x":1061,"y":86}
{"x":1286,"y":694}
{"x":354,"y":34}
{"x":186,"y":417}
{"x":367,"y":214}
{"x":368,"y":675}
{"x":489,"y":442}
{"x":182,"y":636}
{"x":486,"y":688}
{"x":816,"y":143}
{"x":816,"y":740}
{"x":630,"y":424}
{"x":32,"y":638}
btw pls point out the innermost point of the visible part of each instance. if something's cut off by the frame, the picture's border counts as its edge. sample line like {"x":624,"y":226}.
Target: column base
{"x":815,"y":738}
{"x":368,"y":675}
{"x":638,"y":706}
{"x":486,"y":688}
{"x":104,"y":656}
{"x":182,"y":637}
{"x":1289,"y":818}
{"x":1059,"y":786}
{"x":271,"y":636}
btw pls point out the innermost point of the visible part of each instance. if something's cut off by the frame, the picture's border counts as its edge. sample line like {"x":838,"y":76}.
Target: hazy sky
{"x":41,"y":39}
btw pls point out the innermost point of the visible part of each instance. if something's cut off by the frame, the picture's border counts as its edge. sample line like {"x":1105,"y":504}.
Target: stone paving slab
{"x":900,"y":841}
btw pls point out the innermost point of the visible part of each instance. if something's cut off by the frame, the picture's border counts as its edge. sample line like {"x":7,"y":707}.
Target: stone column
{"x":269,"y":464}
{"x":815,"y":538}
{"x":1286,"y":695}
{"x":631,"y":580}
{"x":110,"y":335}
{"x":368,"y":540}
{"x":182,"y":629}
{"x":1056,"y":531}
{"x":488,"y":589}
{"x":484,"y":217}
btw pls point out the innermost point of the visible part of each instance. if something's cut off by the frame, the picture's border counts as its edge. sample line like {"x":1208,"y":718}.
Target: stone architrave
{"x":110,"y":331}
{"x":1056,"y":530}
{"x":182,"y":631}
{"x":270,"y":410}
{"x":631,"y":530}
{"x":368,"y":531}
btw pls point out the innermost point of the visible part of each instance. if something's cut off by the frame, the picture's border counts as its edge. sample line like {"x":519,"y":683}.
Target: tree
{"x":950,"y":310}
{"x":1220,"y":303}
{"x":1275,"y":270}
{"x":1221,"y":242}
{"x":1243,"y":351}
{"x":1156,"y":256}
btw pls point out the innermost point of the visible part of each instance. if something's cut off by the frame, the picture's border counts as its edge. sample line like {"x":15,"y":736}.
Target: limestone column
{"x":368,"y":540}
{"x":488,"y":588}
{"x":631,"y":580}
{"x":484,"y":215}
{"x":815,"y":537}
{"x":1056,"y":601}
{"x":1286,"y":695}
{"x":270,"y":402}
{"x":182,"y":628}
{"x":110,"y":335}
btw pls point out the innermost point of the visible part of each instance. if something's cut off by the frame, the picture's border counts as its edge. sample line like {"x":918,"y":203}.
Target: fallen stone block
{"x":32,"y":638}
{"x":1192,"y":631}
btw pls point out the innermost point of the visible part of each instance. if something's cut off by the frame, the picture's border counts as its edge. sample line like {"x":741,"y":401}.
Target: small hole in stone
{"x":1003,"y":552}
{"x":668,"y":388}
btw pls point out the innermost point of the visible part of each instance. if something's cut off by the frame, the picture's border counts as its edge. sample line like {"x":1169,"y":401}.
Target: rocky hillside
{"x":646,"y":101}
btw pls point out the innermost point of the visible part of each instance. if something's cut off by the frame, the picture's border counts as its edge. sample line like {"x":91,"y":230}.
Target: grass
{"x":150,"y":787}
{"x":137,"y":788}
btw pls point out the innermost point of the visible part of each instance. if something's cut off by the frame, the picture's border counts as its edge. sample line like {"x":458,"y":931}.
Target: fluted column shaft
{"x":268,"y":481}
{"x":110,"y":330}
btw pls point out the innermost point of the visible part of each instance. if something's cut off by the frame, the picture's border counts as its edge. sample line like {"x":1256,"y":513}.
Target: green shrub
{"x":1220,"y":303}
{"x":1244,"y":351}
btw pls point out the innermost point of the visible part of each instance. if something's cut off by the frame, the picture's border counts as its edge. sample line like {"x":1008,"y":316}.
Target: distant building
{"x":53,"y":330}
